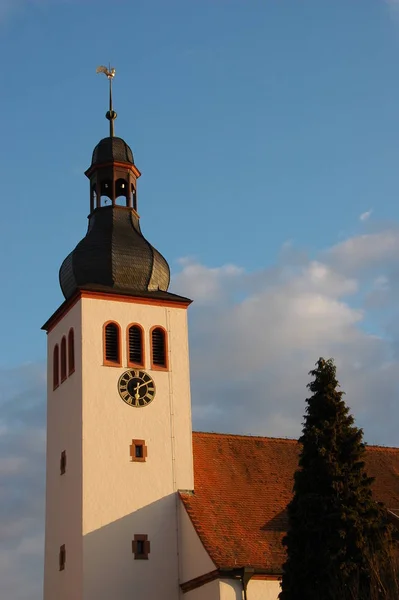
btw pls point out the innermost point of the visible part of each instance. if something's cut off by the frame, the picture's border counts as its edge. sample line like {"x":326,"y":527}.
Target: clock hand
{"x":137,"y":395}
{"x":141,"y":385}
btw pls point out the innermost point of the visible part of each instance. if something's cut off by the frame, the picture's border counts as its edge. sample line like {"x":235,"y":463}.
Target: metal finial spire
{"x":111,"y":114}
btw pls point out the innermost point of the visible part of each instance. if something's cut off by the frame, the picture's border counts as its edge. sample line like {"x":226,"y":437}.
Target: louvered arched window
{"x":159,"y":348}
{"x":63,"y":359}
{"x":71,"y":352}
{"x":56,"y":367}
{"x":112,"y":353}
{"x":135,"y":344}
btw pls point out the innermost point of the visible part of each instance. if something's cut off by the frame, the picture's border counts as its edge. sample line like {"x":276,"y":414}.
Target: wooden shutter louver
{"x":63,"y":462}
{"x":112,"y":343}
{"x":71,"y":352}
{"x":135,"y":345}
{"x":62,"y":557}
{"x":56,"y":367}
{"x":158,"y":347}
{"x":63,"y":359}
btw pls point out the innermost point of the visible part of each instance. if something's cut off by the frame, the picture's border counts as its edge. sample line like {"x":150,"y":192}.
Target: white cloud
{"x":365,"y":251}
{"x":393,"y":9}
{"x":13,"y":8}
{"x":366,"y":215}
{"x":207,"y":285}
{"x":260,"y":334}
{"x":22,"y":446}
{"x":253,"y":339}
{"x":12,"y":465}
{"x":381,"y":282}
{"x":32,"y":545}
{"x":9,"y":8}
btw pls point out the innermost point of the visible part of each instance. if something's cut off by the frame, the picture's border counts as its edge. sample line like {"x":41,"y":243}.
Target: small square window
{"x":138,"y":451}
{"x":63,"y":462}
{"x":62,"y":557}
{"x":141,"y":547}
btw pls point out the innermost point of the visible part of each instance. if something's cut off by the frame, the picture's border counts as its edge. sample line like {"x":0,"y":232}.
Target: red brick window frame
{"x":112,"y":344}
{"x":140,"y":547}
{"x":63,"y":359}
{"x":71,"y":351}
{"x":62,"y":557}
{"x":159,"y":348}
{"x":135,"y":345}
{"x":56,"y":367}
{"x":138,"y":451}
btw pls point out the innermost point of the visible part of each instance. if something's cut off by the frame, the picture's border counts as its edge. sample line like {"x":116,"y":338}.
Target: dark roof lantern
{"x":114,"y":254}
{"x":112,"y":173}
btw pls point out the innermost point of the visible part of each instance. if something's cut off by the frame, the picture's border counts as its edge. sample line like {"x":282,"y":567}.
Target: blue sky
{"x":267,"y":133}
{"x":253,"y":123}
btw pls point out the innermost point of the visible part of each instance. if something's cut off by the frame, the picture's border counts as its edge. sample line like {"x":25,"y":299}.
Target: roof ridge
{"x":382,"y":448}
{"x":240,"y":435}
{"x":377,"y":447}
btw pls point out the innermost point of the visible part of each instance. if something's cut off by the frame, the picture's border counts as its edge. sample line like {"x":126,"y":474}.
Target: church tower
{"x":119,"y":442}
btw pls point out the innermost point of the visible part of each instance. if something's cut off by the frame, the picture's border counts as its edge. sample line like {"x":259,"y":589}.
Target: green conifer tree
{"x":338,"y":542}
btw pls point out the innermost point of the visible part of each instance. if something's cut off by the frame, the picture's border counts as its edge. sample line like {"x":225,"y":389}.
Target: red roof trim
{"x":80,"y":293}
{"x":61,"y":312}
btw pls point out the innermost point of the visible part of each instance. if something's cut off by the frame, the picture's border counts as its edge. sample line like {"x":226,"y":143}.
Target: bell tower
{"x":118,"y":403}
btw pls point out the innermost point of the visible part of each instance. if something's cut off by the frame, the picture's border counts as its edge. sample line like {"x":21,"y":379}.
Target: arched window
{"x":56,"y":367}
{"x":121,"y":192}
{"x":106,"y":193}
{"x":135,"y":344}
{"x":63,"y":359}
{"x":71,"y":352}
{"x":112,"y":353}
{"x":134,"y":197}
{"x":93,"y":198}
{"x":159,"y":348}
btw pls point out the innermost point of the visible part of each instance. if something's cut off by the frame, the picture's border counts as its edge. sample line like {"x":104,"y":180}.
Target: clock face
{"x":136,"y":388}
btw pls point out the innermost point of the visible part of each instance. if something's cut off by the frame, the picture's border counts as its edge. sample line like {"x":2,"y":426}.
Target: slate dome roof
{"x":114,"y":254}
{"x":112,"y":149}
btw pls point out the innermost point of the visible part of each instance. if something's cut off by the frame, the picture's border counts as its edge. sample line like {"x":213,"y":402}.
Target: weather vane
{"x":111,"y":114}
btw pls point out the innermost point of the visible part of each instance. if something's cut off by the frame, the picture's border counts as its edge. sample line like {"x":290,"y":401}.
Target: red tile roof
{"x":242,"y":487}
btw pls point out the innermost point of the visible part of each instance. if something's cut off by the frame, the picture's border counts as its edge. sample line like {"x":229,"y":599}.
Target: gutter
{"x":244,"y":574}
{"x":247,"y":573}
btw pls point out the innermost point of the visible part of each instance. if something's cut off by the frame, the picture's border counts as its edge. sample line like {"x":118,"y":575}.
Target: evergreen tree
{"x":338,"y":541}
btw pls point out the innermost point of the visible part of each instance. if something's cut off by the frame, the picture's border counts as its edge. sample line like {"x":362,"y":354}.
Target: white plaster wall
{"x":231,"y":589}
{"x":258,"y":589}
{"x":64,"y":492}
{"x":195,"y":560}
{"x":120,"y":497}
{"x":209,"y":591}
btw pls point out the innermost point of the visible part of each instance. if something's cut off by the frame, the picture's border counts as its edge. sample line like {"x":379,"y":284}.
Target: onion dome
{"x":114,"y":255}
